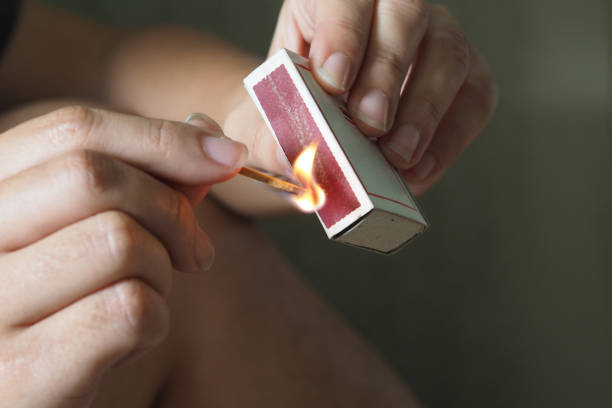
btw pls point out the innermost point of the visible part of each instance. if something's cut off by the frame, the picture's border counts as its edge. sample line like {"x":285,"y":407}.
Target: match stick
{"x":272,"y":181}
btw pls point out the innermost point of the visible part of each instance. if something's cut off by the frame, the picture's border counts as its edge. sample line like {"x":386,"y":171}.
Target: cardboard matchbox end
{"x":368,"y":205}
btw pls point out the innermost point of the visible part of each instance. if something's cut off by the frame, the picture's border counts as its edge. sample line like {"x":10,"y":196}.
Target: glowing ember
{"x":314,"y":197}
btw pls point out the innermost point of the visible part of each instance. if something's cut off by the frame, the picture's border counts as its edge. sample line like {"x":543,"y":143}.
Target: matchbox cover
{"x":367,"y":202}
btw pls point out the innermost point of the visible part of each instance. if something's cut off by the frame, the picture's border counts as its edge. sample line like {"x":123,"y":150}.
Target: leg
{"x":253,"y":333}
{"x":249,"y":332}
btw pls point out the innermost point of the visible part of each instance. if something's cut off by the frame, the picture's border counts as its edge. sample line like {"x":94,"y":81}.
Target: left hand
{"x":369,"y":49}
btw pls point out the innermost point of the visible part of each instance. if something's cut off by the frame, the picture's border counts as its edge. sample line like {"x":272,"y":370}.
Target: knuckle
{"x":303,"y":10}
{"x":349,"y":27}
{"x":390,"y":58}
{"x":413,"y":10}
{"x":441,"y":10}
{"x":141,"y":309}
{"x":431,"y":113}
{"x":161,"y":135}
{"x":485,"y":93}
{"x":123,"y":236}
{"x":72,"y":125}
{"x":129,"y":246}
{"x":179,"y":207}
{"x":91,"y":171}
{"x":455,"y":44}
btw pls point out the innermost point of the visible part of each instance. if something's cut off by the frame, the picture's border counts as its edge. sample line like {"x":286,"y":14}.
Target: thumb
{"x":246,"y":125}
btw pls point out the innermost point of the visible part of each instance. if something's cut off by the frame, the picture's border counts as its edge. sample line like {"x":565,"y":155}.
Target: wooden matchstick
{"x":272,"y":181}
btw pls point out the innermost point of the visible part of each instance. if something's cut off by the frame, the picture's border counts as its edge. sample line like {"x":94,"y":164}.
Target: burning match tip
{"x":271,"y":181}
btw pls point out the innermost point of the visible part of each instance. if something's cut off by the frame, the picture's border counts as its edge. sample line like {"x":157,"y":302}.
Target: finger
{"x":397,"y":29}
{"x":436,"y":78}
{"x":291,"y":32}
{"x":264,"y":152}
{"x":205,"y":122}
{"x":196,"y":193}
{"x":341,"y":29}
{"x":170,"y":150}
{"x":464,"y":121}
{"x":84,"y":340}
{"x":79,"y":260}
{"x":80,"y":184}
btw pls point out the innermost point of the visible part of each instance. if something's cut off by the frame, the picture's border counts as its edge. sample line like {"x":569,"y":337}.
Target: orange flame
{"x":314,"y":196}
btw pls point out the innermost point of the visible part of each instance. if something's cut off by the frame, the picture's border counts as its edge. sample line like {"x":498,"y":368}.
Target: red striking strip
{"x":392,"y":200}
{"x":295,"y":129}
{"x":303,"y":66}
{"x":340,"y":144}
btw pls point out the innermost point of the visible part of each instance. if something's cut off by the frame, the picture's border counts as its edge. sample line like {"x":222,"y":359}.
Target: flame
{"x":314,"y":196}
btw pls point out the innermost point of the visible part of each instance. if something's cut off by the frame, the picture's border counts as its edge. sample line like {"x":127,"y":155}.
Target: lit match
{"x":272,"y":181}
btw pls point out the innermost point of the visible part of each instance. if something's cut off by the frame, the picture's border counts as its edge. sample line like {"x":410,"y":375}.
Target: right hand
{"x":411,"y":78}
{"x":90,"y":237}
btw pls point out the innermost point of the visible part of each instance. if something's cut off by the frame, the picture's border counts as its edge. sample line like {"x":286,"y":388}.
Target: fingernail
{"x":225,"y":151}
{"x":425,"y":166}
{"x":403,"y":141}
{"x":203,"y":121}
{"x":204,"y":251}
{"x":374,"y":109}
{"x":335,"y":71}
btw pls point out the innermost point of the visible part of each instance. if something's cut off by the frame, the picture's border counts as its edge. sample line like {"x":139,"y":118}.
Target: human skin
{"x":103,"y":290}
{"x":249,"y":331}
{"x":448,"y":97}
{"x":90,"y":241}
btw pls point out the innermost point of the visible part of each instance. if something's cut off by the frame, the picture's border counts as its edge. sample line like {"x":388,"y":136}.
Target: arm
{"x":46,"y":58}
{"x":91,"y":239}
{"x":422,"y":127}
{"x":163,"y":72}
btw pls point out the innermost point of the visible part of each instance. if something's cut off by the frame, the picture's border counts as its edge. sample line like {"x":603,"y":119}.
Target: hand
{"x":90,"y":238}
{"x":369,"y":49}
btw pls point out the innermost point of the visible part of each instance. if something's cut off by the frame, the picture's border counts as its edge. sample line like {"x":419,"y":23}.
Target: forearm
{"x":53,"y":54}
{"x":162,"y":72}
{"x":171,"y":72}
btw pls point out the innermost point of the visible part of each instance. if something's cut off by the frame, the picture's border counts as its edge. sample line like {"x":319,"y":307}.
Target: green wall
{"x":506,"y":301}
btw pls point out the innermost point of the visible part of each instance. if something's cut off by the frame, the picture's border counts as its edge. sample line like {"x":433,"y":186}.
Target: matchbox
{"x":367,"y":202}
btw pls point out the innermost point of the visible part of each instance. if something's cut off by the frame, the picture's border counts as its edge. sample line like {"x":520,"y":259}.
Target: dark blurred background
{"x":506,"y":301}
